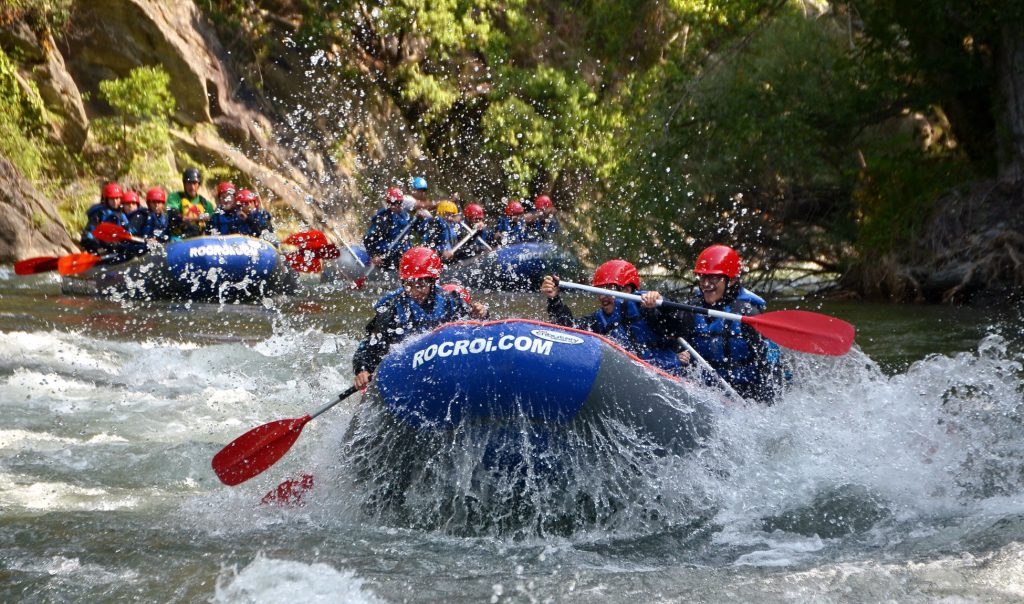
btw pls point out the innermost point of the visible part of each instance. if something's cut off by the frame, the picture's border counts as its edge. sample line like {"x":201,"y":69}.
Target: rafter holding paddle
{"x":480,"y":239}
{"x":361,"y":280}
{"x":799,"y":330}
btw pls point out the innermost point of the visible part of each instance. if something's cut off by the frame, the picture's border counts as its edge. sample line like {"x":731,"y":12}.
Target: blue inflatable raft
{"x":487,"y":417}
{"x":218,"y":268}
{"x":517,"y":267}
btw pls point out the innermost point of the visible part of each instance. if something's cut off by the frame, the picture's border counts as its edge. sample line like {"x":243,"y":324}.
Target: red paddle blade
{"x":77,"y":263}
{"x":805,"y":331}
{"x":256,"y":450}
{"x":111,"y":233}
{"x":304,"y":261}
{"x":308,"y":240}
{"x":290,"y":492}
{"x":328,"y":251}
{"x":34,"y":266}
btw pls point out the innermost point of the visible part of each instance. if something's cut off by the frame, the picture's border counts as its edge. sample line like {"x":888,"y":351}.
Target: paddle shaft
{"x":707,"y":367}
{"x":478,"y":238}
{"x":354,"y":254}
{"x":667,"y":304}
{"x":464,"y":240}
{"x":344,"y":395}
{"x":387,"y":251}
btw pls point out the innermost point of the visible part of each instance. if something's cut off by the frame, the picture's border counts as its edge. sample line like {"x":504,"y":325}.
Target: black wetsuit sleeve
{"x":559,"y":313}
{"x":380,"y":335}
{"x":375,"y":239}
{"x":662,"y":323}
{"x":672,"y":323}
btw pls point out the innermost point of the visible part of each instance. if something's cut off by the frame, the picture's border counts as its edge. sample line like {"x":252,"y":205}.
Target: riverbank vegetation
{"x":832,"y":138}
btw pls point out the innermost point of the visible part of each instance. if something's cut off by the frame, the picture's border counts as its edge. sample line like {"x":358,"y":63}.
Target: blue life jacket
{"x":542,"y":230}
{"x":385,"y":226}
{"x":631,"y":331}
{"x":259,"y":222}
{"x":148,"y":225}
{"x":723,"y":344}
{"x":156,"y":226}
{"x":439,"y":234}
{"x":412,"y":317}
{"x":229,"y":222}
{"x":95,"y":215}
{"x":511,"y":231}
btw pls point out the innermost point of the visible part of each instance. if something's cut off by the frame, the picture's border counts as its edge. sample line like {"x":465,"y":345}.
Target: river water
{"x":893,"y":473}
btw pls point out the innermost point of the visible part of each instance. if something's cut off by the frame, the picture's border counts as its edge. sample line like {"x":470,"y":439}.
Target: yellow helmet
{"x":447,"y":207}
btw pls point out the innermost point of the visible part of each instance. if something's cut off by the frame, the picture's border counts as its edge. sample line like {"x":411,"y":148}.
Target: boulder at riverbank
{"x":29,"y":224}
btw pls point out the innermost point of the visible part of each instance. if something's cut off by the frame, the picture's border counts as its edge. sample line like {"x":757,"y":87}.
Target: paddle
{"x":464,"y":240}
{"x":307,"y":240}
{"x":34,"y":266}
{"x":800,"y":330}
{"x":361,"y":281}
{"x":480,"y":239}
{"x":707,"y":367}
{"x":79,"y":263}
{"x":108,"y":232}
{"x":313,"y":247}
{"x":259,"y":448}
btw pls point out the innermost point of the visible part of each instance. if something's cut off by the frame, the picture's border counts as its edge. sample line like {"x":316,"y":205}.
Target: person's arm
{"x":373,"y":240}
{"x":375,"y":345}
{"x":560,"y":313}
{"x":261,"y":221}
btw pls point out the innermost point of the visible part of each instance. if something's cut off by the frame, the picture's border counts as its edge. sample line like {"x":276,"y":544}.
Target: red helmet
{"x":112,"y":190}
{"x":543,"y":201}
{"x":462,"y":291}
{"x":718,"y":260}
{"x":156,"y":194}
{"x":419,"y":263}
{"x":246,"y":196}
{"x":129,"y":196}
{"x":619,"y":272}
{"x":394,"y":195}
{"x":225,"y":187}
{"x":473,"y":213}
{"x":513,"y":208}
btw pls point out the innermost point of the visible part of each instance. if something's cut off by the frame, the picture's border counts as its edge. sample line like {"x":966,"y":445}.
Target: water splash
{"x":846,"y":451}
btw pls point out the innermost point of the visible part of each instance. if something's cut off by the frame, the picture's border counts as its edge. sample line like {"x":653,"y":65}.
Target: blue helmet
{"x":419,"y":183}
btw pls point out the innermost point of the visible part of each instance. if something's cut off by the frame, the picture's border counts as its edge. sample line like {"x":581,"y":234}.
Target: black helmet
{"x":191,"y":175}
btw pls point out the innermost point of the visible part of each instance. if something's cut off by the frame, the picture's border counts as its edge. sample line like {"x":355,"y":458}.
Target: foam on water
{"x":95,"y":424}
{"x":275,"y":581}
{"x":849,"y":459}
{"x":847,"y":451}
{"x":850,"y":449}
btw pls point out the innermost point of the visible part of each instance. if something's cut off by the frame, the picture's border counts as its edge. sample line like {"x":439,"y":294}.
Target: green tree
{"x":136,"y":140}
{"x":23,"y":122}
{"x":966,"y":57}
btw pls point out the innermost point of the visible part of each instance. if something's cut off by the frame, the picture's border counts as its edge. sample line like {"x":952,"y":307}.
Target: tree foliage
{"x":23,"y":123}
{"x":135,"y":142}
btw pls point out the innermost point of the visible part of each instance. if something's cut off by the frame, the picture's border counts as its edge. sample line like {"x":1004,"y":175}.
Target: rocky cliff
{"x":29,"y":224}
{"x":295,"y":141}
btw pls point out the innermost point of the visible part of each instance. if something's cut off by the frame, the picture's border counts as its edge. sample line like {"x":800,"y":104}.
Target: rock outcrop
{"x":29,"y":224}
{"x":217,"y":121}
